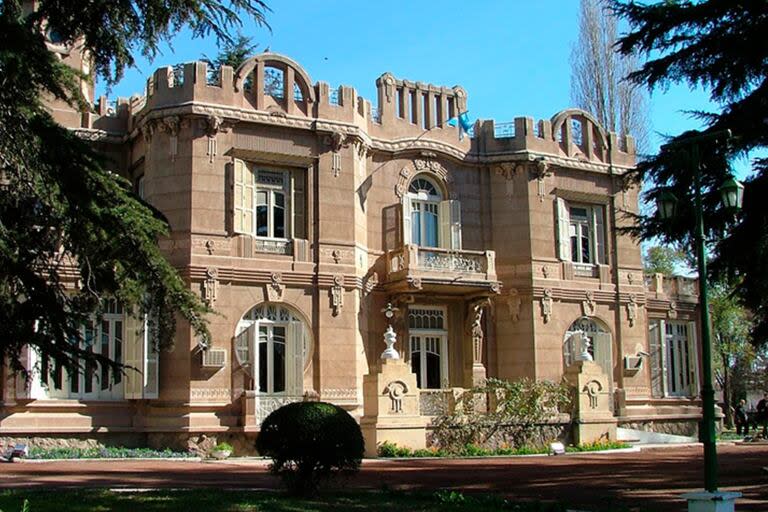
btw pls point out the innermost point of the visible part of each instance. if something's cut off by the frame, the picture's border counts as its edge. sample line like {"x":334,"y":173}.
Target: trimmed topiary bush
{"x":310,"y":441}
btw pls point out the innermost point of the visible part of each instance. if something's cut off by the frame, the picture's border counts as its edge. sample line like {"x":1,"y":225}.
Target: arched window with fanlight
{"x":428,"y":219}
{"x":272,"y":346}
{"x":599,"y":346}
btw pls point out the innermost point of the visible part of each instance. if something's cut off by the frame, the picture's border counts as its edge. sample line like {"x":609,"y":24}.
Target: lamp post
{"x":732,"y":193}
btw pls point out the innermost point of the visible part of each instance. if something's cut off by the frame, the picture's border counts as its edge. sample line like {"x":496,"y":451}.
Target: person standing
{"x":740,"y":418}
{"x":762,"y":414}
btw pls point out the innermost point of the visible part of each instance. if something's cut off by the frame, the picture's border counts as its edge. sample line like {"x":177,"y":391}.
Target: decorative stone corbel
{"x":508,"y":170}
{"x":589,"y":306}
{"x":275,"y":288}
{"x":171,"y":125}
{"x":361,"y":148}
{"x":541,"y":171}
{"x":336,"y":141}
{"x":212,"y":126}
{"x":672,"y":313}
{"x":632,"y":309}
{"x":337,"y":294}
{"x":546,"y":305}
{"x":148,"y":130}
{"x":370,"y":283}
{"x":513,"y":303}
{"x":415,"y":283}
{"x":210,"y":288}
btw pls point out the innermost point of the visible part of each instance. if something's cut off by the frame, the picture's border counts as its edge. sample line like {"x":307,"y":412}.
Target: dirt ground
{"x":652,"y":479}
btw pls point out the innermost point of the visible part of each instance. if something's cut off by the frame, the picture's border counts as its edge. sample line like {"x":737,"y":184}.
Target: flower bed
{"x":387,"y":449}
{"x":105,"y":452}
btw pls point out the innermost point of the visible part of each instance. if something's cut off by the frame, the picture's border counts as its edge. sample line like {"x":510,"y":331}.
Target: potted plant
{"x":221,"y":451}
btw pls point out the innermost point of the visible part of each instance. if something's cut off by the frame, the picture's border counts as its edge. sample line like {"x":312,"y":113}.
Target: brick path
{"x":653,"y":478}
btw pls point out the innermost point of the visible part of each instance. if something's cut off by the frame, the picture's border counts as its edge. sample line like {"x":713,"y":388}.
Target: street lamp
{"x":732,"y":192}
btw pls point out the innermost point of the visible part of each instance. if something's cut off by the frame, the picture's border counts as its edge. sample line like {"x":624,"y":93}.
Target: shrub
{"x":516,"y":414}
{"x":224,"y":447}
{"x":310,"y":441}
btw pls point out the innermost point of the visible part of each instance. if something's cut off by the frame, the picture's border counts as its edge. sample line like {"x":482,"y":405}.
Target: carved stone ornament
{"x":545,"y":271}
{"x":672,"y":313}
{"x":389,"y":86}
{"x":632,"y":310}
{"x":336,"y":255}
{"x":402,"y":182}
{"x":210,"y":246}
{"x":433,"y":166}
{"x":513,"y":303}
{"x":589,"y":306}
{"x":415,"y":283}
{"x":630,"y":278}
{"x":275,"y":288}
{"x":337,"y":294}
{"x":508,"y":170}
{"x":541,"y":171}
{"x":593,"y":389}
{"x":148,"y":130}
{"x":210,"y":288}
{"x":396,"y":390}
{"x":212,"y":126}
{"x":370,"y":283}
{"x":171,"y":125}
{"x":546,"y":305}
{"x":475,"y":315}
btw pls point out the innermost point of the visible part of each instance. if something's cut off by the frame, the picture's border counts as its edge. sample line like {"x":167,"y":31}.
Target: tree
{"x":731,"y":324}
{"x":719,"y":46}
{"x":598,"y":73}
{"x":233,"y":53}
{"x":662,"y":259}
{"x":60,"y":208}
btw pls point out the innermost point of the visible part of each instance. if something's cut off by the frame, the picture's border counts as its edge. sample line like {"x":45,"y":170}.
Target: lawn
{"x":253,"y":501}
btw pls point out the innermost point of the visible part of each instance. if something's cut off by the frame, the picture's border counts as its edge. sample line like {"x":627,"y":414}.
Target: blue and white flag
{"x":462,"y":121}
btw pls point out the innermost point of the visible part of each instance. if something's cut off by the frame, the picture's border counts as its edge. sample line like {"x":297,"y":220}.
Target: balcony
{"x":444,"y":270}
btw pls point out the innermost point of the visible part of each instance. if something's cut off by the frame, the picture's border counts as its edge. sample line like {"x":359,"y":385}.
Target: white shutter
{"x":604,"y":354}
{"x":599,"y":237}
{"x":294,"y":373}
{"x":255,"y":356}
{"x":151,"y":366}
{"x":243,"y":197}
{"x":297,"y":204}
{"x":450,"y":224}
{"x":656,"y":358}
{"x":244,"y":349}
{"x":693,"y":354}
{"x":406,"y":214}
{"x":133,"y":357}
{"x":663,"y":349}
{"x":563,"y":231}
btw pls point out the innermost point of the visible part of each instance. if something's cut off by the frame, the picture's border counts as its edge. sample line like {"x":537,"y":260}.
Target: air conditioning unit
{"x":214,"y":358}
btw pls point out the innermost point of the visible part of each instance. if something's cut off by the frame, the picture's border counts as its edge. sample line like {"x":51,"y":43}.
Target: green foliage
{"x":310,"y":441}
{"x":718,"y":46}
{"x":662,"y":259}
{"x":517,"y":415}
{"x":597,"y":446}
{"x":104,"y":452}
{"x":62,"y":212}
{"x":224,"y":447}
{"x":233,"y":53}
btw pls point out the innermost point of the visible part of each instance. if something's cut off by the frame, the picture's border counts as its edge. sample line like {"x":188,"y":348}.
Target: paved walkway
{"x":653,"y":478}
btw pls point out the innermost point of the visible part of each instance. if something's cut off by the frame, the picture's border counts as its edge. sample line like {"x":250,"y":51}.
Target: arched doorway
{"x":272,"y":346}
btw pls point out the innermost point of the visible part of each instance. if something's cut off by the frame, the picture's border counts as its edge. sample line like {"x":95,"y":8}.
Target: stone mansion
{"x":298,"y":212}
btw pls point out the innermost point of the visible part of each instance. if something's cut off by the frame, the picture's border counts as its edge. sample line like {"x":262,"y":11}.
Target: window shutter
{"x":298,"y":203}
{"x":654,"y":344}
{"x":693,"y":353}
{"x":22,"y":386}
{"x":243,"y":186}
{"x":599,"y":226}
{"x":253,"y":340}
{"x":294,"y":359}
{"x":450,"y":224}
{"x":244,"y":349}
{"x":133,"y":357}
{"x":151,"y":366}
{"x":604,"y":354}
{"x":406,"y":212}
{"x":563,"y":234}
{"x":663,"y":350}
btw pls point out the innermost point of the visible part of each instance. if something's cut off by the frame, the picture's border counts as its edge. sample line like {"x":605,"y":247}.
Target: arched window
{"x":424,"y":200}
{"x":272,"y":346}
{"x":599,"y":343}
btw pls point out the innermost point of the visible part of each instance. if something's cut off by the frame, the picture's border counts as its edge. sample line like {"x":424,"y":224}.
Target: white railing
{"x":266,"y":405}
{"x":283,"y":247}
{"x":452,"y":261}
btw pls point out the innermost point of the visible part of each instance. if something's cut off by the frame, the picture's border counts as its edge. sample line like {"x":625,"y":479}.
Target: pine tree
{"x":720,"y":46}
{"x":60,"y":208}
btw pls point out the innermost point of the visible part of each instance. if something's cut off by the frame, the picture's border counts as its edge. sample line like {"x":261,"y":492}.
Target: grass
{"x":104,"y":452}
{"x":255,"y":501}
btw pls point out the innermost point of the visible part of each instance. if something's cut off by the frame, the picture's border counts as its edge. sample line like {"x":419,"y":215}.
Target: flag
{"x":462,"y":121}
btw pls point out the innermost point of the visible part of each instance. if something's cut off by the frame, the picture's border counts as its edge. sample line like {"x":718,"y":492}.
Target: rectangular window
{"x":428,"y":346}
{"x":581,"y":233}
{"x":673,"y":359}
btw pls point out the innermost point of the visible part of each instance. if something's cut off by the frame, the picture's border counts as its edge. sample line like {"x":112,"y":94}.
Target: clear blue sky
{"x":512,"y":56}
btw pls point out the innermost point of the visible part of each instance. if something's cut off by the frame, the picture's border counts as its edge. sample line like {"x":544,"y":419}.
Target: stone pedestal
{"x":711,"y":501}
{"x":593,"y":419}
{"x":391,"y":408}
